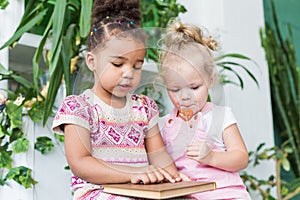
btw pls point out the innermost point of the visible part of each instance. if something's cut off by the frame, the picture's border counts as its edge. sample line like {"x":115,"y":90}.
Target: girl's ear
{"x":212,"y":80}
{"x":90,"y":61}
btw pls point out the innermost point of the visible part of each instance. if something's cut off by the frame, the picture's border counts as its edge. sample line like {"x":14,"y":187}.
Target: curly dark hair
{"x":113,"y":17}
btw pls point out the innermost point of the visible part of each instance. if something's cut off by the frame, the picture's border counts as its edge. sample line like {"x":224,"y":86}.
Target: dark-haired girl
{"x":112,"y":136}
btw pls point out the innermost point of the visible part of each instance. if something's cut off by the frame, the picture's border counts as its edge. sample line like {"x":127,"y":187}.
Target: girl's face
{"x":117,"y":67}
{"x":186,"y":86}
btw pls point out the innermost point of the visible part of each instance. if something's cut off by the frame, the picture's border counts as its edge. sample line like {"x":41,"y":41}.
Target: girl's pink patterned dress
{"x":117,"y":135}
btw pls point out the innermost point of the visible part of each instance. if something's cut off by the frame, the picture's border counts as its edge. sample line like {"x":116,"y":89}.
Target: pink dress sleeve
{"x":151,"y":110}
{"x":74,"y":110}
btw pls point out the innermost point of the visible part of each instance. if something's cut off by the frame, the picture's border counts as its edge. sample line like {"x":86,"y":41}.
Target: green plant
{"x":284,"y":74}
{"x":284,"y":190}
{"x":64,"y":22}
{"x":3,"y":4}
{"x":156,"y":14}
{"x":228,"y":63}
{"x":12,"y":138}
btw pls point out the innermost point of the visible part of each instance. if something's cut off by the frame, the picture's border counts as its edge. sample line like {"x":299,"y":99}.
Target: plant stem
{"x":256,"y":186}
{"x":292,"y":194}
{"x":278,"y":180}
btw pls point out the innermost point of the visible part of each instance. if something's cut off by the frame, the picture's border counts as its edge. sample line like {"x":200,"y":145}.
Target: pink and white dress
{"x":177,"y":134}
{"x":117,"y":135}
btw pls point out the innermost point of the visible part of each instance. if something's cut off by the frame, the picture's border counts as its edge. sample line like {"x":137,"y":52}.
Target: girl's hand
{"x":198,"y":151}
{"x":151,"y":174}
{"x":184,"y":177}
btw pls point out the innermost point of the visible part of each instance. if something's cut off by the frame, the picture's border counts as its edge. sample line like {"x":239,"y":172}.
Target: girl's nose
{"x":185,"y":95}
{"x":127,"y":73}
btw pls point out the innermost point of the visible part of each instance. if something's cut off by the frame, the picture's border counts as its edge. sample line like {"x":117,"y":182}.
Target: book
{"x":159,"y":190}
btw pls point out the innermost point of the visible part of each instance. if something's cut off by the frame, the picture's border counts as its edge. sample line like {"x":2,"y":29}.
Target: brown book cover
{"x":159,"y":190}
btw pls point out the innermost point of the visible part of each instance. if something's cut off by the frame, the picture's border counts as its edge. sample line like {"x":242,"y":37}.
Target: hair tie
{"x":94,"y":30}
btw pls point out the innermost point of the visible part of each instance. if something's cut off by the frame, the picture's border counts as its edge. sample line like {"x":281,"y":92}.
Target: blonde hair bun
{"x":180,"y":33}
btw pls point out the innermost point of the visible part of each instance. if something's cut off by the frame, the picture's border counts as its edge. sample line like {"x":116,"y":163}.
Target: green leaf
{"x":284,"y":190}
{"x":55,"y":58}
{"x":21,"y":145}
{"x":3,"y":4}
{"x":36,"y":112}
{"x":263,"y":156}
{"x":233,"y":55}
{"x":38,"y":54}
{"x":21,"y":175}
{"x":15,"y":114}
{"x":55,"y":81}
{"x":4,"y":71}
{"x":224,"y":66}
{"x":286,"y":164}
{"x":279,"y":155}
{"x":67,"y":53}
{"x":59,"y":137}
{"x":21,"y":30}
{"x":16,"y":134}
{"x":84,"y":24}
{"x":239,"y":65}
{"x":260,"y":146}
{"x":57,"y":30}
{"x":2,"y":180}
{"x":44,"y":144}
{"x":22,"y":81}
{"x":288,"y":150}
{"x":5,"y":159}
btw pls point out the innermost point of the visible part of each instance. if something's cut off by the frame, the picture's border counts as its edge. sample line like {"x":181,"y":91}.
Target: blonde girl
{"x":203,"y":138}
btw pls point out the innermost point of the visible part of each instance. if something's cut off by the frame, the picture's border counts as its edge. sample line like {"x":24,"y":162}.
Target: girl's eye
{"x":195,"y":87}
{"x":173,"y":90}
{"x":117,"y":64}
{"x":137,"y":67}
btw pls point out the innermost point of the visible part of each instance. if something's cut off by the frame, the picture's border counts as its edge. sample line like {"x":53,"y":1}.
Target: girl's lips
{"x":182,"y":107}
{"x":125,"y":87}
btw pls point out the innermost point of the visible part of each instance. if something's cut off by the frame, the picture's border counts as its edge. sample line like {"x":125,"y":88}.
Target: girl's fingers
{"x":167,"y":175}
{"x":199,"y":149}
{"x":185,"y":177}
{"x":138,"y":178}
{"x":159,"y":176}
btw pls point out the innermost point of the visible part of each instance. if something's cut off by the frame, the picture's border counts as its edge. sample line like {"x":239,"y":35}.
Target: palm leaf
{"x":22,"y":29}
{"x":226,"y":63}
{"x":67,"y":53}
{"x":57,"y":27}
{"x":84,"y":24}
{"x":54,"y":83}
{"x":225,"y":67}
{"x":38,"y":54}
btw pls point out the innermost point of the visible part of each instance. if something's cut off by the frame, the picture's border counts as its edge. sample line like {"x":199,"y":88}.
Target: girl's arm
{"x":158,"y":156}
{"x":234,"y":159}
{"x":83,"y":165}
